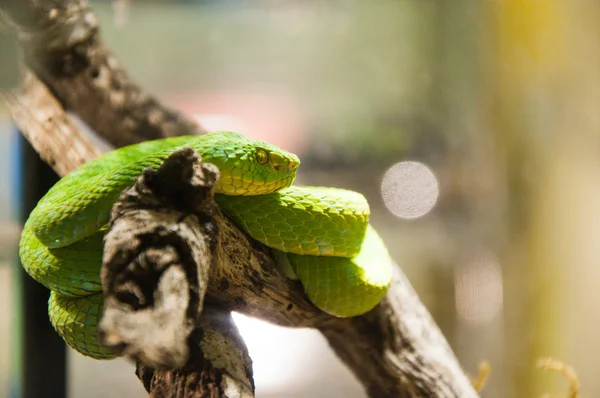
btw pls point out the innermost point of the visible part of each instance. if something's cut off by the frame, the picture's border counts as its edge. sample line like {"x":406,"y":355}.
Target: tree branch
{"x":46,"y":125}
{"x":227,"y":372}
{"x":61,"y":44}
{"x":157,"y":262}
{"x":157,"y":257}
{"x":395,"y":350}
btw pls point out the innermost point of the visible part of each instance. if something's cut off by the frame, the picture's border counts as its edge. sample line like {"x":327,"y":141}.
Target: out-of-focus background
{"x":472,"y":128}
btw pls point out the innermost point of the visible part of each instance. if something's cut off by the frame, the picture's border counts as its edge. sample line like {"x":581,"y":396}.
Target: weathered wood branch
{"x":61,"y":43}
{"x":158,"y":258}
{"x":225,"y":372}
{"x":396,"y":350}
{"x":45,"y":124}
{"x":158,"y":253}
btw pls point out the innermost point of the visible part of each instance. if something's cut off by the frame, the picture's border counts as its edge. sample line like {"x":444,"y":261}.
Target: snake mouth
{"x":229,"y":185}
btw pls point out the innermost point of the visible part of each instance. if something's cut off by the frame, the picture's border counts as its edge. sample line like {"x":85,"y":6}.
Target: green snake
{"x":322,"y":234}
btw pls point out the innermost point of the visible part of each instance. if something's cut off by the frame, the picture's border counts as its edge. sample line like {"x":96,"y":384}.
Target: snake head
{"x":249,"y":167}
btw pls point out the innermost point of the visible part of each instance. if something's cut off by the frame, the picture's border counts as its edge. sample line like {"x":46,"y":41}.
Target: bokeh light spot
{"x":409,"y":189}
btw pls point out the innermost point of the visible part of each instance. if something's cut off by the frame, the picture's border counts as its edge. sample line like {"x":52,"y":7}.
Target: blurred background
{"x":471,"y":126}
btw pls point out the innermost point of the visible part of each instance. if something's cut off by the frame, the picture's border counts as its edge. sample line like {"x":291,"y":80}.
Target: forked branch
{"x":396,"y":350}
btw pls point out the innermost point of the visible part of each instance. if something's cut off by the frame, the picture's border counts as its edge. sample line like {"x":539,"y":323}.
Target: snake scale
{"x":322,"y":234}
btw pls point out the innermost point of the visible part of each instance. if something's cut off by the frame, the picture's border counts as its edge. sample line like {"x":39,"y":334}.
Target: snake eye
{"x":262,"y":157}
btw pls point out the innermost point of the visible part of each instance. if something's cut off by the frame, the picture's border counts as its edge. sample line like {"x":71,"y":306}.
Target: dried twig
{"x":553,"y":365}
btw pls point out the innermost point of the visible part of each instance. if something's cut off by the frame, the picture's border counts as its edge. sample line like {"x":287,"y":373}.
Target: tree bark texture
{"x":62,"y":46}
{"x":183,"y":265}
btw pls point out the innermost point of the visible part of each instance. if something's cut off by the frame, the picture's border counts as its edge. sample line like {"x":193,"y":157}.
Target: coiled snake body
{"x":322,"y":233}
